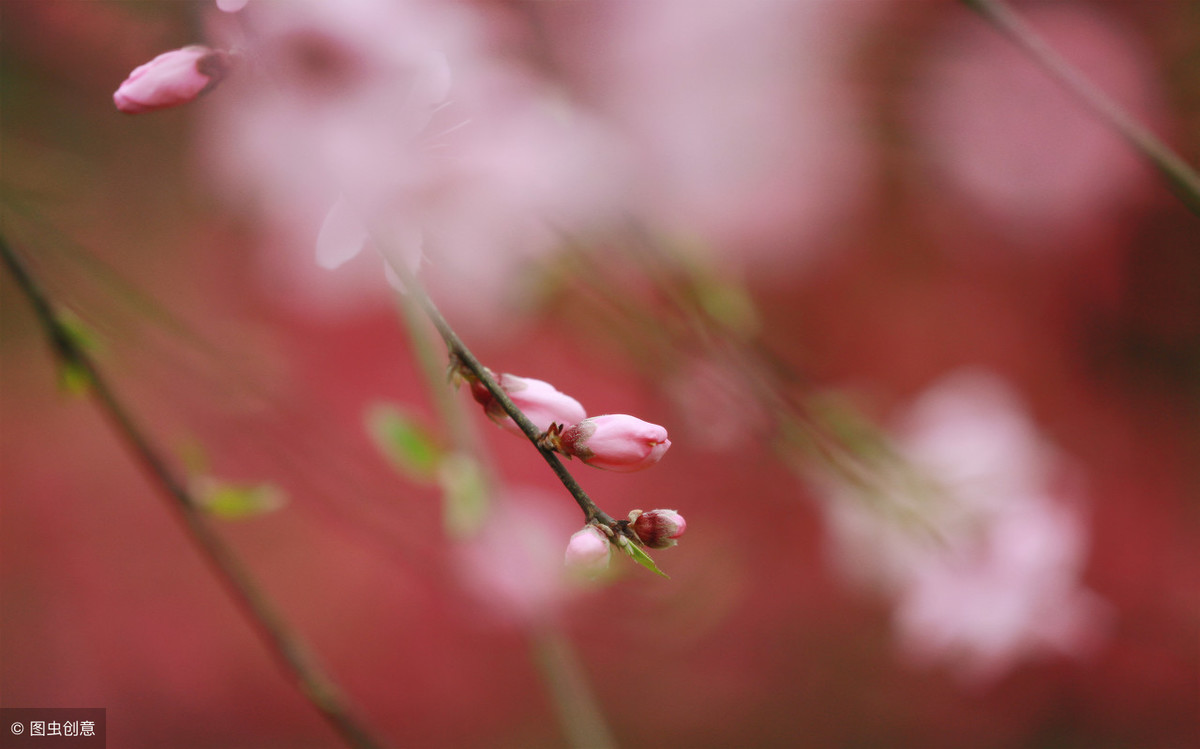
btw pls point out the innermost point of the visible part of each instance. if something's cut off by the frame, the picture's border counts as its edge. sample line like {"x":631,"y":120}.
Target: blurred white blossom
{"x":399,"y":120}
{"x":983,"y":546}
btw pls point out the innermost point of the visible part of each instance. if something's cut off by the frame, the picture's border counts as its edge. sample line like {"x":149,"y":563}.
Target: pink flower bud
{"x":659,"y":529}
{"x":171,"y":79}
{"x":588,"y":550}
{"x":540,"y":401}
{"x":615,"y":442}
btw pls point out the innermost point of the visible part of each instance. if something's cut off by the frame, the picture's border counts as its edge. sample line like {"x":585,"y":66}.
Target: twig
{"x":291,"y":653}
{"x":1179,"y":175}
{"x":459,"y":351}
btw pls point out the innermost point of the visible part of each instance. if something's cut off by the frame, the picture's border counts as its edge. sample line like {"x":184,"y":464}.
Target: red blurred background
{"x":943,"y":228}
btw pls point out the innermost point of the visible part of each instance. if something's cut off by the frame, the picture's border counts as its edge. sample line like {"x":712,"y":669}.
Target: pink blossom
{"x":980,"y":551}
{"x":659,"y":529}
{"x":231,"y":6}
{"x":400,"y":116}
{"x":741,"y":117}
{"x":171,"y":79}
{"x":616,"y":442}
{"x":1015,"y":145}
{"x":540,"y":401}
{"x":588,"y":551}
{"x":513,"y":564}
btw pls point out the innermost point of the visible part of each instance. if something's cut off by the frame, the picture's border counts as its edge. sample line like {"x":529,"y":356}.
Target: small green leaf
{"x":409,"y":445}
{"x":464,"y":495}
{"x":77,"y":331}
{"x":237,"y":501}
{"x":73,"y":378}
{"x":641,"y":557}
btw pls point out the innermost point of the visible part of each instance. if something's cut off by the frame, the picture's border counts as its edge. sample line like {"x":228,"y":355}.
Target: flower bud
{"x":615,"y":442}
{"x":658,"y":529}
{"x":588,"y":550}
{"x":172,"y":78}
{"x":540,"y":401}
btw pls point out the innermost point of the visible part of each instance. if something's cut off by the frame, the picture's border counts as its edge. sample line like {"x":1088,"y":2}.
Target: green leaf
{"x":464,"y":495}
{"x":410,"y":446}
{"x":73,"y":378}
{"x":230,"y":501}
{"x":77,"y":331}
{"x":641,"y":557}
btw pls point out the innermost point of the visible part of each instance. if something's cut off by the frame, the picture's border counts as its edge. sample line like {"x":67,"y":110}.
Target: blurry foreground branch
{"x":1182,"y":178}
{"x":289,"y":650}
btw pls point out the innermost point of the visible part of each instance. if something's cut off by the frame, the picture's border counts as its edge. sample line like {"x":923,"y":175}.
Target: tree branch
{"x":290,"y":652}
{"x":459,"y":351}
{"x":1182,"y":178}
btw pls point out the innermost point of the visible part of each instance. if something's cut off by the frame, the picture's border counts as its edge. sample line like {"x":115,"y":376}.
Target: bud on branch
{"x":172,"y":78}
{"x":614,"y":442}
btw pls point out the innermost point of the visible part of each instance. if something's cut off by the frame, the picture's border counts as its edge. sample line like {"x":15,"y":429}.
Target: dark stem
{"x":290,"y":651}
{"x":1179,"y":175}
{"x":463,"y":355}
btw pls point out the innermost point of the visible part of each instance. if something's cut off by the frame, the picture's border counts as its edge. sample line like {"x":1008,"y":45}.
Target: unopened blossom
{"x":588,"y":551}
{"x":171,"y":79}
{"x":538,"y":400}
{"x":658,"y":529}
{"x":615,"y":442}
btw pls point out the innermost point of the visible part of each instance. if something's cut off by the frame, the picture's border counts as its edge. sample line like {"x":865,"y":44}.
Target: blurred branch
{"x":291,"y":653}
{"x":1179,"y":175}
{"x":579,"y":712}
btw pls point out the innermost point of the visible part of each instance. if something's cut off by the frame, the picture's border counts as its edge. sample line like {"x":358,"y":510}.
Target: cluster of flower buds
{"x":590,"y":549}
{"x":614,"y":442}
{"x":173,"y":78}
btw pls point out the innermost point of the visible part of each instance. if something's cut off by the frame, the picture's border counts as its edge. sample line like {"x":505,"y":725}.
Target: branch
{"x":1179,"y":175}
{"x":290,"y":652}
{"x":459,"y":352}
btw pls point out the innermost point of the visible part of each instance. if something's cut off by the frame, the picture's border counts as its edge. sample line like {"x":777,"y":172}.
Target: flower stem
{"x":459,"y":352}
{"x":1182,"y":178}
{"x":291,"y":653}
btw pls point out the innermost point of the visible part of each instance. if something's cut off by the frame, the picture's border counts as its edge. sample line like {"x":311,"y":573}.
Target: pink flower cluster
{"x":614,"y":442}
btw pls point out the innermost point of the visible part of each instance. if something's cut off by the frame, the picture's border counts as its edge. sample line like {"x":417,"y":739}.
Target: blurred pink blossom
{"x":395,"y":119}
{"x":742,"y":115}
{"x":1013,"y":141}
{"x":514,"y":565}
{"x":983,"y":561}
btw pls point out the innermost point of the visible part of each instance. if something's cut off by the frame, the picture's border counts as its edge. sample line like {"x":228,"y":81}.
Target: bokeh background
{"x":788,"y":231}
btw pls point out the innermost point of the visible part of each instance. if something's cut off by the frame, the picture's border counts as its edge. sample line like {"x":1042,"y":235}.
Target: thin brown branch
{"x":290,"y":651}
{"x":459,"y":351}
{"x":1182,"y":178}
